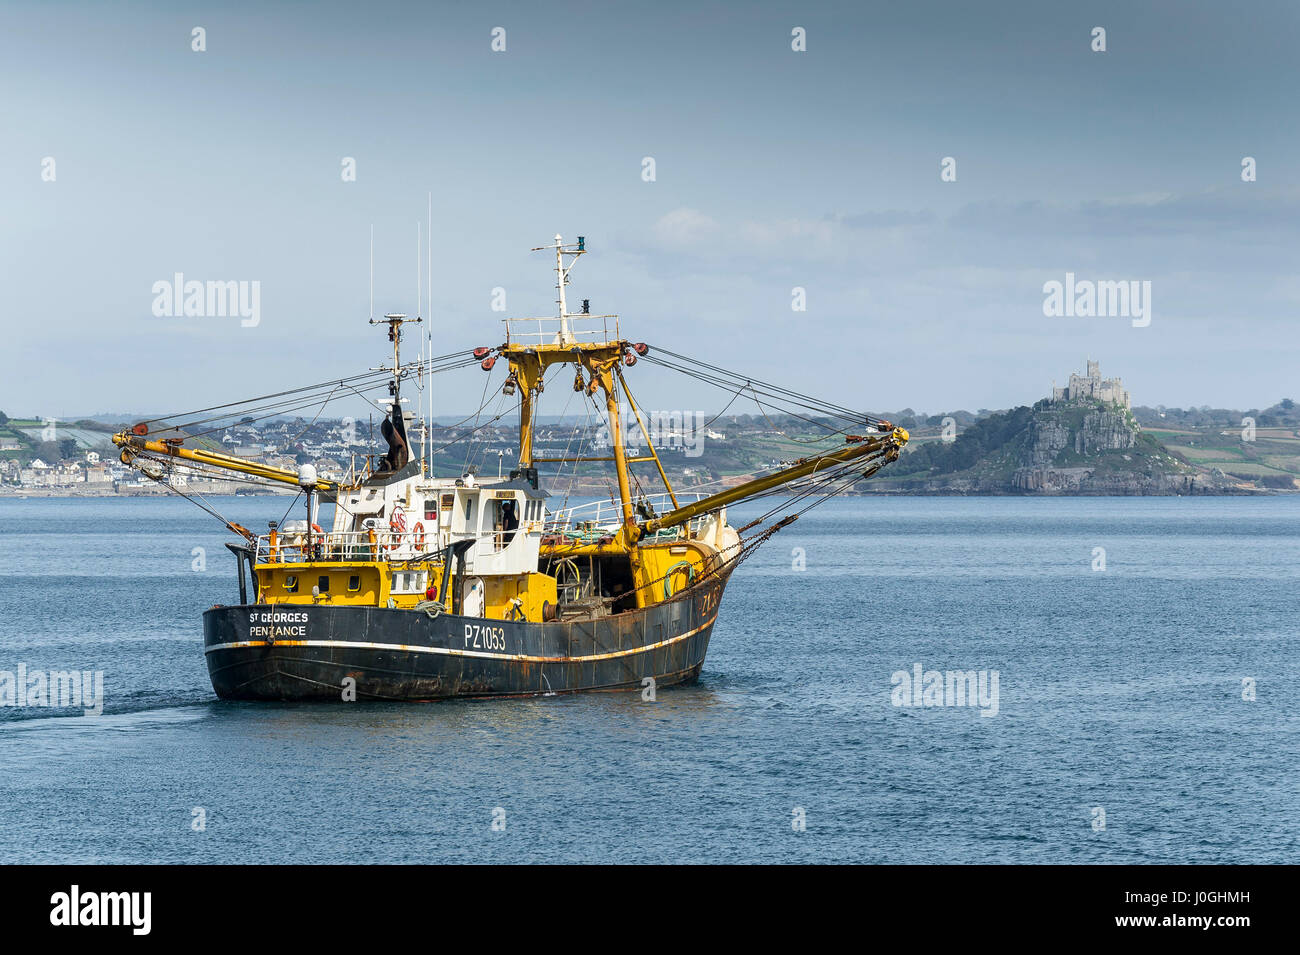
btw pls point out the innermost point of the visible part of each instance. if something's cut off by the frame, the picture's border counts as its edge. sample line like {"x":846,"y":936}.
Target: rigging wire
{"x":843,"y":410}
{"x":487,"y":381}
{"x":815,"y":489}
{"x":299,"y":398}
{"x":726,"y":386}
{"x":386,"y":373}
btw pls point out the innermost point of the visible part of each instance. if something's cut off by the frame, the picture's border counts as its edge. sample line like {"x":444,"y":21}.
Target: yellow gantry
{"x":528,"y":366}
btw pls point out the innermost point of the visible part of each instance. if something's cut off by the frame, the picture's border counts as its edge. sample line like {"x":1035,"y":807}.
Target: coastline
{"x":594,"y":490}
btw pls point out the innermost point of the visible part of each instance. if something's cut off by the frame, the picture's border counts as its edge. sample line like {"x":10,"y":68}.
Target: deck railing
{"x":593,"y":519}
{"x":546,"y":331}
{"x":379,"y":544}
{"x":598,"y":518}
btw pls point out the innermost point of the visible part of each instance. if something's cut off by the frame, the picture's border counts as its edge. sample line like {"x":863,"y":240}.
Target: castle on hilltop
{"x":1092,"y":385}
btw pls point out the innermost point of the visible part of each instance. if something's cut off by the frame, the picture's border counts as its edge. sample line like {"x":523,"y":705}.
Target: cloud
{"x":886,"y":219}
{"x":1197,"y":215}
{"x":684,"y":227}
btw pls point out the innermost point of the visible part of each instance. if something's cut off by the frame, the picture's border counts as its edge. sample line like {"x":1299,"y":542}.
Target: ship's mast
{"x":562,"y":279}
{"x":528,"y":374}
{"x":599,"y":359}
{"x":394,"y":321}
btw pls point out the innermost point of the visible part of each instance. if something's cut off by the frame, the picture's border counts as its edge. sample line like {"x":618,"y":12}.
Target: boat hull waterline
{"x":309,"y":652}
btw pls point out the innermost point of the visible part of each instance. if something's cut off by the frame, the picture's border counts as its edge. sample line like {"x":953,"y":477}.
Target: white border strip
{"x":448,"y":651}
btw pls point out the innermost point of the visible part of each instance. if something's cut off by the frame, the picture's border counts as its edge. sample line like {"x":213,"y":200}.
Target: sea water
{"x":1132,"y":660}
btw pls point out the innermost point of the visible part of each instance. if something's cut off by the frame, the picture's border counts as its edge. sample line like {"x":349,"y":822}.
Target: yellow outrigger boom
{"x":881,"y":450}
{"x":132,"y":444}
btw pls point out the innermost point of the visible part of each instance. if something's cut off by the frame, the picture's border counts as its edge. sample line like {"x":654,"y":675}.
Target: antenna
{"x":372,"y":271}
{"x":419,"y":304}
{"x":428,"y":333}
{"x":562,"y":278}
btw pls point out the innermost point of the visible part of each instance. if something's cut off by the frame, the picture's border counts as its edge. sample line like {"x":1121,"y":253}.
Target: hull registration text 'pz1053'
{"x":484,"y":638}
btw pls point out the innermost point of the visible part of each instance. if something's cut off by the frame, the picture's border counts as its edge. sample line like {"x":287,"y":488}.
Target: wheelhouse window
{"x":410,"y":582}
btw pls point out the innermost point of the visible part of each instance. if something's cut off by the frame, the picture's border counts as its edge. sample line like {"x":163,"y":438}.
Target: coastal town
{"x":52,"y":458}
{"x":1026,"y":450}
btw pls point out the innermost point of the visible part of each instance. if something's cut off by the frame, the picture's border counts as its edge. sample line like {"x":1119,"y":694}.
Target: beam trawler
{"x":427,"y":588}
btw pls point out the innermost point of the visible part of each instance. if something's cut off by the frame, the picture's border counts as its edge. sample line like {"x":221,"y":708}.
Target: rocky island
{"x":1084,"y":439}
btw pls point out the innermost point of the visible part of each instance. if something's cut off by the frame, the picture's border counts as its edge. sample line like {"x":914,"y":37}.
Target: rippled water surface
{"x":1120,"y":690}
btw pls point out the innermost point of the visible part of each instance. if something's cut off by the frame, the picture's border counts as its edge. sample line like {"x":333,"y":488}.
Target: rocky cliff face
{"x":1105,"y":431}
{"x":1087,"y":481}
{"x":1047,"y":437}
{"x":1090,"y":432}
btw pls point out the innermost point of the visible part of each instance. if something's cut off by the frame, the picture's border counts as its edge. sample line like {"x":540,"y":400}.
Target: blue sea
{"x":1146,"y":709}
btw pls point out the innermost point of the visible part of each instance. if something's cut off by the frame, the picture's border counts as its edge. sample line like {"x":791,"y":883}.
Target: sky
{"x":774,"y":169}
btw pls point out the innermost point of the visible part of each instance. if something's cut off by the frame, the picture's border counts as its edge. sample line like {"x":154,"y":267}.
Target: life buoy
{"x":317,"y":542}
{"x":418,"y":533}
{"x":396,"y":526}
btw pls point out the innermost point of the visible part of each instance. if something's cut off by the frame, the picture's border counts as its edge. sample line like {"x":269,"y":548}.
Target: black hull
{"x":308,"y":652}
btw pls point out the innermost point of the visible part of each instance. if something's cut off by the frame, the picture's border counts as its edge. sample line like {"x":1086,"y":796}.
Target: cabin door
{"x":475,"y":594}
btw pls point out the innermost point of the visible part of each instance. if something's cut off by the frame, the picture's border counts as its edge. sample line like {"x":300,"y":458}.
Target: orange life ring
{"x":418,"y":532}
{"x":396,"y":526}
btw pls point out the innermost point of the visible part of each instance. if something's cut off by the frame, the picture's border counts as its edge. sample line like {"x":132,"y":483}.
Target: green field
{"x":1275,"y":452}
{"x":1253,"y":469}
